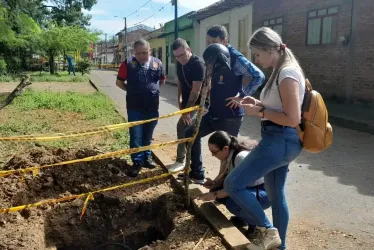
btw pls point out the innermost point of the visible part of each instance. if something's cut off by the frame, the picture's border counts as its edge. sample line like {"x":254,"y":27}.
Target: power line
{"x":139,"y":8}
{"x":152,"y":14}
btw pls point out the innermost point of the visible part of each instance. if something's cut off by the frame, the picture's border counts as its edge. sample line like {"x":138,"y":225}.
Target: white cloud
{"x":95,"y":12}
{"x":112,"y":26}
{"x":191,"y":4}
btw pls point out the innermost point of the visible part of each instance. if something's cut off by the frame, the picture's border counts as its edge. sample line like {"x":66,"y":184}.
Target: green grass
{"x":93,"y":106}
{"x":47,"y":77}
{"x":37,"y":112}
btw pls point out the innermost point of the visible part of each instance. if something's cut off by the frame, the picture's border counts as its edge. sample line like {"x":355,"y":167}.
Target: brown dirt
{"x":81,"y":87}
{"x":147,"y":214}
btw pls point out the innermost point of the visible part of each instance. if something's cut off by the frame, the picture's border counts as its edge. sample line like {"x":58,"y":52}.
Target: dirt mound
{"x":140,"y":215}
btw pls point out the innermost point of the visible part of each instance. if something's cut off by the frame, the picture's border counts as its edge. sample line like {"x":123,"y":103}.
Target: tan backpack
{"x":314,"y":129}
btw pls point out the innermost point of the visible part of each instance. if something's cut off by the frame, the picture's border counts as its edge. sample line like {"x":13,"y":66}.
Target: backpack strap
{"x":301,"y":124}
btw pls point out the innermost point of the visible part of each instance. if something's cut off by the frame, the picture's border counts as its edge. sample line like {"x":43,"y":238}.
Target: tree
{"x":69,"y":12}
{"x":18,"y":36}
{"x":58,"y":39}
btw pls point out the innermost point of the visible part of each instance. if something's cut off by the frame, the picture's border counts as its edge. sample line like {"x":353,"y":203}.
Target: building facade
{"x":235,"y":15}
{"x":133,"y":34}
{"x":185,"y":31}
{"x":157,"y":44}
{"x":333,"y":41}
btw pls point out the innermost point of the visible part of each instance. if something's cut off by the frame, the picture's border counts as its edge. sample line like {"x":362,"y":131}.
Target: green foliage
{"x":46,"y":77}
{"x":57,"y":39}
{"x":17,"y":31}
{"x":2,"y":66}
{"x":93,"y":106}
{"x":84,"y":66}
{"x":26,"y":29}
{"x":70,"y":12}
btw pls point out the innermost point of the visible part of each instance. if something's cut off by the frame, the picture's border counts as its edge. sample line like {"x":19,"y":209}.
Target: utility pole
{"x":175,"y":3}
{"x":106,"y":48}
{"x":126,"y":52}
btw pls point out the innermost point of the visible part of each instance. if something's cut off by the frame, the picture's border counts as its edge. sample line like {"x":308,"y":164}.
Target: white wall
{"x":110,"y":57}
{"x":231,"y":17}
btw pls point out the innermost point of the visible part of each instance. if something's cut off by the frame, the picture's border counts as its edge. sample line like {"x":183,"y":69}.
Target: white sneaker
{"x":268,"y":240}
{"x":271,"y":238}
{"x":177,"y":166}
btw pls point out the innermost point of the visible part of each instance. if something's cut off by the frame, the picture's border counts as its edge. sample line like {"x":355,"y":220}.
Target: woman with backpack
{"x":231,"y":153}
{"x":279,"y":108}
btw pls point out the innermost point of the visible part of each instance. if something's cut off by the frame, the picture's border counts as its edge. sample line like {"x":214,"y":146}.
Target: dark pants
{"x":141,"y":135}
{"x":71,"y":68}
{"x":209,"y":125}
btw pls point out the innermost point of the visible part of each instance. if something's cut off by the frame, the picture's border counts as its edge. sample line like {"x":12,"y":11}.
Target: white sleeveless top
{"x":272,"y":100}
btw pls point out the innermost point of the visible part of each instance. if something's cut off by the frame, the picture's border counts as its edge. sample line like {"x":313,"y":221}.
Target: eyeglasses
{"x":181,"y":56}
{"x":214,"y":153}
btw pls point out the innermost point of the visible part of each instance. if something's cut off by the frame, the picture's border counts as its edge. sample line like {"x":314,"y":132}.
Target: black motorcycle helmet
{"x":217,"y":54}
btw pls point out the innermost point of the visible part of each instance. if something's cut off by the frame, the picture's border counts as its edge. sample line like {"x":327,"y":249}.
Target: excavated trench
{"x":134,"y":216}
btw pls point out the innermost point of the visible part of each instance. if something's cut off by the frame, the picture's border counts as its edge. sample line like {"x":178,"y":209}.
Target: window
{"x":275,"y":24}
{"x":322,"y":26}
{"x":243,"y":36}
{"x":154,"y":52}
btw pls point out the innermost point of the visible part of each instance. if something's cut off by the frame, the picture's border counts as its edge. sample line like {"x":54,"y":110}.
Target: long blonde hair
{"x":266,"y":39}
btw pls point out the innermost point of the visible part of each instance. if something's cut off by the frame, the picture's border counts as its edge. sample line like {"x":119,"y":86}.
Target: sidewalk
{"x":323,"y":189}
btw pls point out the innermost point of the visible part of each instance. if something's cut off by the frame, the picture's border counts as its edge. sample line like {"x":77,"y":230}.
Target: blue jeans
{"x":236,"y":210}
{"x":141,"y":135}
{"x":270,"y":159}
{"x":209,"y":125}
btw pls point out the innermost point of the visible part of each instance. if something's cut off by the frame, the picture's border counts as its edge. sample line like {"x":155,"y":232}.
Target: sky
{"x":104,"y":12}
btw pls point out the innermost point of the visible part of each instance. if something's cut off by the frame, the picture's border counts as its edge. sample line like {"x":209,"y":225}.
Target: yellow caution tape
{"x":35,"y":170}
{"x":89,"y":195}
{"x":93,"y":131}
{"x":50,"y":201}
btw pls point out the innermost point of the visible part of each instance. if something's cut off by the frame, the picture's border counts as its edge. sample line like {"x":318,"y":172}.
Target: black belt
{"x":266,"y":123}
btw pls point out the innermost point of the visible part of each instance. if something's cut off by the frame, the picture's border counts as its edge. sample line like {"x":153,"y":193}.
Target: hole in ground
{"x":131,"y":222}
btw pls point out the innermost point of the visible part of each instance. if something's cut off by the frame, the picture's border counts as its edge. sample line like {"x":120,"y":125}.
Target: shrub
{"x":84,"y":65}
{"x":2,"y":66}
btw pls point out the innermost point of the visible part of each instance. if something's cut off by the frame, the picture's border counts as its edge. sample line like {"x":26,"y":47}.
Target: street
{"x":332,"y":191}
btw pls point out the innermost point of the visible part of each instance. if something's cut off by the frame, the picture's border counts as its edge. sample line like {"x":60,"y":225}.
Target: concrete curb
{"x":230,"y":235}
{"x":351,"y":124}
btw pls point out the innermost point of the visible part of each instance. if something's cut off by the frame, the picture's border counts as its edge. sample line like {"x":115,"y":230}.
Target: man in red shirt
{"x":143,"y":75}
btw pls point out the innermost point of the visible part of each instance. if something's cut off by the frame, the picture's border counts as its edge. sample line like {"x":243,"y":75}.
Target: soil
{"x":80,"y":87}
{"x":148,"y":216}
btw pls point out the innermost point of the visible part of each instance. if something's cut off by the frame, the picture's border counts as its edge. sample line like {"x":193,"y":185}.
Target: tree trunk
{"x":51,"y":63}
{"x":17,"y":91}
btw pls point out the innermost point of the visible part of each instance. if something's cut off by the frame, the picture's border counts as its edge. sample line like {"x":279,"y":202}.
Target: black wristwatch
{"x":261,"y":112}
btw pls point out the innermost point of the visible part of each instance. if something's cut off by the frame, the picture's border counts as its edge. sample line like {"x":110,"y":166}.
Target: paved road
{"x":332,"y":190}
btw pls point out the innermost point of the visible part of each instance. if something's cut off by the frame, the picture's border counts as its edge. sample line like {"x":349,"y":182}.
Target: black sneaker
{"x":253,"y":234}
{"x":237,"y":222}
{"x":195,"y":178}
{"x":134,"y":170}
{"x":149,"y":163}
